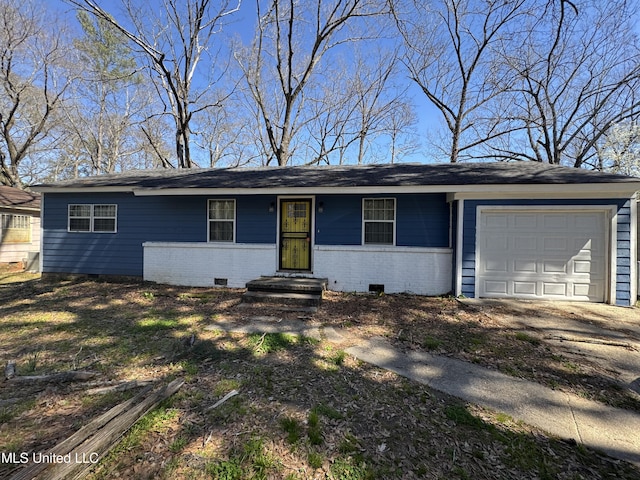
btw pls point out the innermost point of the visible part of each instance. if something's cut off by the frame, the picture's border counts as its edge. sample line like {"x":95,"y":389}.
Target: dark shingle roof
{"x":18,"y":199}
{"x":385,"y":175}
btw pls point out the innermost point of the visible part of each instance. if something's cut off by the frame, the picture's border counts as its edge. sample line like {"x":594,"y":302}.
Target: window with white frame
{"x":92,"y":218}
{"x":15,"y":228}
{"x":222,"y":220}
{"x":379,"y":218}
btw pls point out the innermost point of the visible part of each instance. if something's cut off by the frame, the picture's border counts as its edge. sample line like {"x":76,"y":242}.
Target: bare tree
{"x":108,"y":98}
{"x":292,"y":40}
{"x":174,"y":39}
{"x":620,"y":150}
{"x":452,"y":54}
{"x":399,"y":124}
{"x":33,"y":82}
{"x":578,"y":75}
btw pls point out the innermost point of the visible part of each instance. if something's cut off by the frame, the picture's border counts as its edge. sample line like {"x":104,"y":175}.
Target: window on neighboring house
{"x":222,"y":220}
{"x":378,"y":217}
{"x":15,"y":228}
{"x":92,"y":218}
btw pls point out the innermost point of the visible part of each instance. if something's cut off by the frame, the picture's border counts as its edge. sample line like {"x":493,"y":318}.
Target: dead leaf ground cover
{"x":305,"y":409}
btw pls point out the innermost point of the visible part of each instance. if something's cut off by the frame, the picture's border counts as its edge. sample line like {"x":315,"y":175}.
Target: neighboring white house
{"x":19,"y":227}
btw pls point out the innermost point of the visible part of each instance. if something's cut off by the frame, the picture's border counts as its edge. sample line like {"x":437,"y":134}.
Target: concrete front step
{"x":288,"y":291}
{"x":283,"y":298}
{"x":288,"y":285}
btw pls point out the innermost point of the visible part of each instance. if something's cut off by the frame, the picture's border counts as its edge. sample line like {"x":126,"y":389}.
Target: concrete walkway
{"x":611,"y":430}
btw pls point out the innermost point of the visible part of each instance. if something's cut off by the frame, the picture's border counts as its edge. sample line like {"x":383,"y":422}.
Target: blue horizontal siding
{"x":623,"y":245}
{"x":421,"y":220}
{"x":340,"y":222}
{"x":140,"y":219}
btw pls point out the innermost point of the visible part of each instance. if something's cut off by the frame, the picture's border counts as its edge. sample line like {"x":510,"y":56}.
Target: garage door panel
{"x":554,"y":221}
{"x":586,"y":290}
{"x":524,"y":244}
{"x":555,"y":255}
{"x":495,"y":244}
{"x":496,"y":288}
{"x":524,"y":288}
{"x":496,"y":266}
{"x":554,"y":266}
{"x":555,"y":244}
{"x":525,"y":266}
{"x":525,"y":221}
{"x":554,"y":289}
{"x":496,"y":221}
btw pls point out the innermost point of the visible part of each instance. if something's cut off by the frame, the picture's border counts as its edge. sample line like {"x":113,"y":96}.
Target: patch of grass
{"x":338,"y":357}
{"x":461,"y":472}
{"x":189,"y":368}
{"x":329,"y":412}
{"x":349,"y":444}
{"x":477,"y":341}
{"x":314,"y":431}
{"x":225,"y":385}
{"x":178,"y":445}
{"x":431,"y":343}
{"x":225,"y":470}
{"x":573,"y":367}
{"x":155,"y":325}
{"x":260,"y":462}
{"x":348,"y":469}
{"x":315,"y":460}
{"x":249,"y":461}
{"x":525,"y":337}
{"x":462,"y":416}
{"x":292,"y":428}
{"x":148,"y":295}
{"x":522,"y":452}
{"x":503,"y":417}
{"x":272,"y":342}
{"x":12,"y":411}
{"x":32,"y":362}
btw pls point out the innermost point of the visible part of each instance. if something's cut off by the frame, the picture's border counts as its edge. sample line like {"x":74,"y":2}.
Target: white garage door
{"x":542,"y":254}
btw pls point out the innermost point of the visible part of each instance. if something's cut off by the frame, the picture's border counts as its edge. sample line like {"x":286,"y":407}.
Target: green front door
{"x":295,"y":234}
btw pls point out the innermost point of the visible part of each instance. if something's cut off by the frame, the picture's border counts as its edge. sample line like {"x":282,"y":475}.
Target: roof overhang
{"x":454,"y":192}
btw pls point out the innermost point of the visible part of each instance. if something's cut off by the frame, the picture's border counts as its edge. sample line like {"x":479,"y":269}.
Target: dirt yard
{"x":305,"y":409}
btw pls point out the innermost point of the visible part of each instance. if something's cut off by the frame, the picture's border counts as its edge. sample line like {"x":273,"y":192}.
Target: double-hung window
{"x":92,"y":218}
{"x":15,"y":228}
{"x":222,"y":220}
{"x":379,"y":218}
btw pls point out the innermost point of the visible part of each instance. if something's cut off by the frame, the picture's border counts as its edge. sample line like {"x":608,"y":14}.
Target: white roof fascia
{"x":114,"y":189}
{"x":583,"y":190}
{"x":455,"y":192}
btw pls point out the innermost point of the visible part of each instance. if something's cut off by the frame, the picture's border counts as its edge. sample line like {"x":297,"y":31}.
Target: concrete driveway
{"x":606,"y":336}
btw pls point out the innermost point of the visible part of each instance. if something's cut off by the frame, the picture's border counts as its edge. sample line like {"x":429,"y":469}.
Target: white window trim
{"x":15,"y":218}
{"x":92,"y":217}
{"x":395,"y":215}
{"x":233,"y":221}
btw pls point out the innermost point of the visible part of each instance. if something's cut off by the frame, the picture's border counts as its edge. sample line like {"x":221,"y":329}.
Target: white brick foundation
{"x":199,"y":264}
{"x":424,"y":271}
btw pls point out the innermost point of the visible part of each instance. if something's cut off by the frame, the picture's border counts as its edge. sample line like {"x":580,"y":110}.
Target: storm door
{"x":295,"y":234}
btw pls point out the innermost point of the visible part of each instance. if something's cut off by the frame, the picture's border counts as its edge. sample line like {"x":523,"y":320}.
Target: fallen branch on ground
{"x":229,"y":395}
{"x":119,"y":387}
{"x":594,"y":341}
{"x":94,"y":440}
{"x":72,"y":376}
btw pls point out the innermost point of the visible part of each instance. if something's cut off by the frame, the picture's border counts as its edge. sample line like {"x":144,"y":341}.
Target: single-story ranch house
{"x":19,"y":226}
{"x":520,"y":229}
